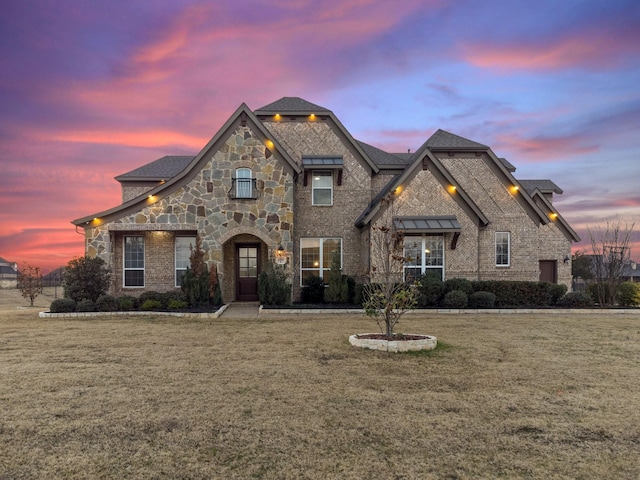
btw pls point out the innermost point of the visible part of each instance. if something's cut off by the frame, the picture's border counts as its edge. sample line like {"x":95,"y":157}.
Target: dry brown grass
{"x":525,"y":396}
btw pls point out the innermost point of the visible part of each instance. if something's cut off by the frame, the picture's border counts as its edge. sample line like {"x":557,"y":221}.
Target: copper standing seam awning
{"x":429,"y":224}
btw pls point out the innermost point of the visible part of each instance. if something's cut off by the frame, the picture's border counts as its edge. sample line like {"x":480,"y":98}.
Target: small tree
{"x":387,"y":297}
{"x":337,"y":284}
{"x":195,"y":281}
{"x":581,"y":266}
{"x":86,"y":278}
{"x":30,"y":281}
{"x":610,"y":245}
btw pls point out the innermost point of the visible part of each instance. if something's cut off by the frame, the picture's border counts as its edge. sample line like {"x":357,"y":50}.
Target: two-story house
{"x":289,"y":182}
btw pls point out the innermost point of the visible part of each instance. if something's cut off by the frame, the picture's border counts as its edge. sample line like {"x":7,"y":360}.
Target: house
{"x":289,"y":182}
{"x":8,"y":274}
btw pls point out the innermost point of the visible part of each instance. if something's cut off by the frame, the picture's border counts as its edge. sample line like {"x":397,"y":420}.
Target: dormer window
{"x":322,"y":171}
{"x":243,"y":185}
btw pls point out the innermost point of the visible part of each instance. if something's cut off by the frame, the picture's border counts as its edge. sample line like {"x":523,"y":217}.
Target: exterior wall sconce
{"x":566,"y":259}
{"x":281,"y":255}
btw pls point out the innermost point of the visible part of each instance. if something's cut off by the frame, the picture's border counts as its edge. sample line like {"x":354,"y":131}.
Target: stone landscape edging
{"x":457,"y":311}
{"x":216,"y":314}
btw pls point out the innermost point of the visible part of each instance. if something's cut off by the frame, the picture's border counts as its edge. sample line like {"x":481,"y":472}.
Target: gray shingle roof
{"x":290,"y":104}
{"x":545,"y":186}
{"x":443,"y":139}
{"x":162,"y":169}
{"x":431,"y":224}
{"x":382,"y":158}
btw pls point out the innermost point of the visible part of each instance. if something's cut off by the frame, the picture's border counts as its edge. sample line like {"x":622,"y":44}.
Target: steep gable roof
{"x":545,"y":186}
{"x":290,"y":105}
{"x":445,"y":140}
{"x":162,"y":169}
{"x":242,"y":114}
{"x":555,"y":216}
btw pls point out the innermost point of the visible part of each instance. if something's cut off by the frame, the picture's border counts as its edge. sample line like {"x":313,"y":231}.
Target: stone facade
{"x":280,"y":213}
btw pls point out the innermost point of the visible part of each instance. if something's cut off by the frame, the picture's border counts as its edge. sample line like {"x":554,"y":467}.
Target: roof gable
{"x":241,"y":115}
{"x":162,"y":169}
{"x":446,"y":140}
{"x":291,"y":105}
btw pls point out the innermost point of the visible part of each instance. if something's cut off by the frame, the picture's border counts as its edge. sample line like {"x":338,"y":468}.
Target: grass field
{"x":522,"y":396}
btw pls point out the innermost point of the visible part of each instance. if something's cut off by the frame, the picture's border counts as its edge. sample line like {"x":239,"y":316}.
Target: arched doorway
{"x":245,"y":256}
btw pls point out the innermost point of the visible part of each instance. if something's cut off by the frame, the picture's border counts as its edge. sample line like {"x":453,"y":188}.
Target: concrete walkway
{"x":242,"y":310}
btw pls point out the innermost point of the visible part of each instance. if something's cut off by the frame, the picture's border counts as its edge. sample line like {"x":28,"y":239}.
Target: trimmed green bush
{"x":455,"y":299}
{"x":482,"y":300}
{"x":86,"y":277}
{"x":629,"y":294}
{"x":458,"y":284}
{"x":107,"y":303}
{"x":431,"y":290}
{"x":152,"y":295}
{"x":313,"y":292}
{"x":576,"y":300}
{"x":556,"y":292}
{"x":63,"y":305}
{"x":273,"y":286}
{"x":175,"y":304}
{"x":85,"y":305}
{"x":127,"y":303}
{"x":149,"y":305}
{"x":337,"y":287}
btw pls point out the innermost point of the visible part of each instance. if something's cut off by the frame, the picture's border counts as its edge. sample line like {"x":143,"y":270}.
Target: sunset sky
{"x":90,"y":89}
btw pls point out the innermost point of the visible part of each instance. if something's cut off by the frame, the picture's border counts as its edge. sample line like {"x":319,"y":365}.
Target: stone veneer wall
{"x":349,"y":199}
{"x":203,"y":205}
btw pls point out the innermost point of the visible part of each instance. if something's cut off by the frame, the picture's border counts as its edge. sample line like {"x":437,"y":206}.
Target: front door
{"x":247,"y":270}
{"x":548,"y":271}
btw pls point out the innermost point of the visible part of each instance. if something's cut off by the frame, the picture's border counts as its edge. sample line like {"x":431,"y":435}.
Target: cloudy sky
{"x":91,"y":89}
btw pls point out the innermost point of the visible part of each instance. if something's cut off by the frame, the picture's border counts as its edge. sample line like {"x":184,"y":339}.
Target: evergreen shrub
{"x":63,"y":305}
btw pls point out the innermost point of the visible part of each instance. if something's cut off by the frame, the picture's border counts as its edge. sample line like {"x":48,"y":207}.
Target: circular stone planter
{"x":404,"y":343}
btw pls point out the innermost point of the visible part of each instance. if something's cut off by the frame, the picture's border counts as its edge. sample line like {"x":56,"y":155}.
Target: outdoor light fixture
{"x":312,"y":117}
{"x":281,"y":255}
{"x":566,"y":259}
{"x":277,"y":117}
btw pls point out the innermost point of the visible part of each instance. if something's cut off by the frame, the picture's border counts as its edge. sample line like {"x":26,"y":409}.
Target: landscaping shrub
{"x":337,"y":290}
{"x":629,"y":294}
{"x":576,"y":300}
{"x":482,"y":300}
{"x":63,"y":305}
{"x":455,"y":299}
{"x":86,"y":277}
{"x":517,"y":294}
{"x":458,"y":284}
{"x":85,"y":305}
{"x":173,"y":296}
{"x":273,"y":286}
{"x":175,"y":304}
{"x":127,"y":303}
{"x":155,"y":296}
{"x":431,"y":290}
{"x":149,"y":305}
{"x":107,"y":303}
{"x":359,"y":292}
{"x":556,"y":292}
{"x":599,"y":290}
{"x":313,"y":292}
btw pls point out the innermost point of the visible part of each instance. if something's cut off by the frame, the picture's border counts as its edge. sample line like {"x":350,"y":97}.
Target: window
{"x":133,"y":261}
{"x":244,"y":186}
{"x":183,"y":252}
{"x":503,"y":249}
{"x":424,"y":255}
{"x":322,"y":187}
{"x":316,"y":255}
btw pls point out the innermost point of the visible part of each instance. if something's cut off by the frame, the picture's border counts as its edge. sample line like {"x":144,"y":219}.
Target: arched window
{"x":244,"y":184}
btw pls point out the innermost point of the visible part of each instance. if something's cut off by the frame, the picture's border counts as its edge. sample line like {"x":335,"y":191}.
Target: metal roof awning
{"x":436,"y":224}
{"x":322,"y":162}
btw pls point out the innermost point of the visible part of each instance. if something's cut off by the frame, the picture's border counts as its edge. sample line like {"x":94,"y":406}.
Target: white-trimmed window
{"x":322,"y":187}
{"x":424,"y":254}
{"x":316,"y":256}
{"x":133,"y":264}
{"x":183,"y":252}
{"x":244,"y":183}
{"x":503,"y":249}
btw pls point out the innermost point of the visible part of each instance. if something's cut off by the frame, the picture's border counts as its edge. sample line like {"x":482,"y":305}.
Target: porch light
{"x":281,"y":255}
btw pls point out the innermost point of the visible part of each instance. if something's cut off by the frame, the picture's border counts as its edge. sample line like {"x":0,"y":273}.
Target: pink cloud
{"x":593,"y":48}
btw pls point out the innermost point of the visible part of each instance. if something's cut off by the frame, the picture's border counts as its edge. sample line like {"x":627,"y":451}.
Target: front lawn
{"x":522,"y":396}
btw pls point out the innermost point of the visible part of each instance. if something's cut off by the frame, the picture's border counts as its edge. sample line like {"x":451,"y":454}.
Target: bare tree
{"x":610,"y":245}
{"x":30,"y":281}
{"x":387,"y":297}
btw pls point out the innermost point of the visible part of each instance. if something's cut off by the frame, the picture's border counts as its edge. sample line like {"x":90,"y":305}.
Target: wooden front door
{"x":247,"y":271}
{"x":548,"y":271}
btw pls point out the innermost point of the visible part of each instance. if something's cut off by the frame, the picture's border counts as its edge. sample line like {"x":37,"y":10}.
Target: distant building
{"x":8,"y":274}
